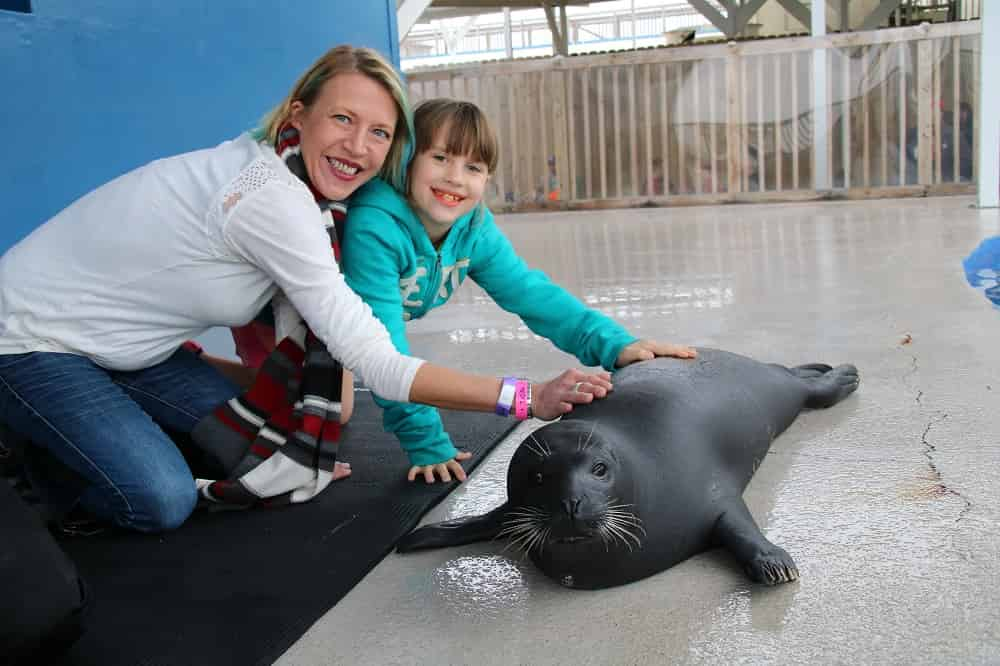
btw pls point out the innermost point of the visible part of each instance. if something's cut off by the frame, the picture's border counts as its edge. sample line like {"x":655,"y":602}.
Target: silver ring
{"x":576,"y":387}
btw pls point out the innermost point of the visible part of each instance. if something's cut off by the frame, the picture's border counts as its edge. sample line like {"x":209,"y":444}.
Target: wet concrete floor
{"x":889,"y":502}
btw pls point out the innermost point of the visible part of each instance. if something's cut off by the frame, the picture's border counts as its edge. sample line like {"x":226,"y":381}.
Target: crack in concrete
{"x":941,"y":488}
{"x":913,"y":368}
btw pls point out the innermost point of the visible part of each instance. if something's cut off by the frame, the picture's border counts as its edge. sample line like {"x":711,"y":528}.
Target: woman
{"x":96,"y":303}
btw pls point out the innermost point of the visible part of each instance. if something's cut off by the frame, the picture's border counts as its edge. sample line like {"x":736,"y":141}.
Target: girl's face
{"x":345,"y":135}
{"x":444,"y":187}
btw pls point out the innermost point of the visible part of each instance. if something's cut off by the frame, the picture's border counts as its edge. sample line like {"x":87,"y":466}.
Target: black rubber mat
{"x":241,"y":587}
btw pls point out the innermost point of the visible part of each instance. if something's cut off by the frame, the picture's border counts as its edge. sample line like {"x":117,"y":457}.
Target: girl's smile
{"x":447,"y":198}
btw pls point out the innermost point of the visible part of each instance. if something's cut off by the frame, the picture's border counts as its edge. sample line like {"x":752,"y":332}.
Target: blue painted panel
{"x":93,"y":89}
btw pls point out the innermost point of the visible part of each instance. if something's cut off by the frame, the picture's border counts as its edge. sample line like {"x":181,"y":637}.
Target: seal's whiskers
{"x":538,"y":447}
{"x":586,"y":443}
{"x":527,"y":512}
{"x":526,"y":527}
{"x":619,"y":524}
{"x":528,"y":537}
{"x":618,"y":532}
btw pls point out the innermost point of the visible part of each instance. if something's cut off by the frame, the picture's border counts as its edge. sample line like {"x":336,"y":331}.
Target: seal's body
{"x":632,"y":484}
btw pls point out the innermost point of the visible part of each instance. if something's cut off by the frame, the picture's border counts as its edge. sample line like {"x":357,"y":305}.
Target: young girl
{"x":405,"y":255}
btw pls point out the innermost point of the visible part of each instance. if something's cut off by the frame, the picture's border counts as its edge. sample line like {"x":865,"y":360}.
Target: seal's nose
{"x":572,"y":508}
{"x":573,"y":524}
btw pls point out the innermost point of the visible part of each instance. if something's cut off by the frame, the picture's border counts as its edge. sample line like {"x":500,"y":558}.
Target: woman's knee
{"x":160,"y":505}
{"x":166,"y":506}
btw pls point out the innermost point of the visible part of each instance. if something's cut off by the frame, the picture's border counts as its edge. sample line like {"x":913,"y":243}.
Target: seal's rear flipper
{"x":763,"y":562}
{"x":810,"y":370}
{"x":831,"y":387}
{"x":454,"y":532}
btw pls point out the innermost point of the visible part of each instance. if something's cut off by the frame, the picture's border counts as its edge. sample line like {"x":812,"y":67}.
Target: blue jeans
{"x":104,"y":426}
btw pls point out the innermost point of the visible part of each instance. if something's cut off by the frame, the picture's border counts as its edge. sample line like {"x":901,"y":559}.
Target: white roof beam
{"x":408,"y":14}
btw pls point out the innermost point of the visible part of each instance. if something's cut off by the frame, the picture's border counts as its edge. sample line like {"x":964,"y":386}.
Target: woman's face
{"x":345,"y":135}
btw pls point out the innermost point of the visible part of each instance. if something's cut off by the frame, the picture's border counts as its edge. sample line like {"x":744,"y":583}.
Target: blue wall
{"x":93,"y":88}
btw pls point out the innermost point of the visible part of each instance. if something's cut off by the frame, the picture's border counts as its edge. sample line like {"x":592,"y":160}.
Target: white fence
{"x":729,"y":122}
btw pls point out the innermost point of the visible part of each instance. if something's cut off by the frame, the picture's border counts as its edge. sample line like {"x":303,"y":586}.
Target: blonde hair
{"x":468,"y":131}
{"x":347,"y":59}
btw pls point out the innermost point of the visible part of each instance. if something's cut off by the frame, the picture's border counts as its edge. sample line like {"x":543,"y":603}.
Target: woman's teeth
{"x":342,"y":167}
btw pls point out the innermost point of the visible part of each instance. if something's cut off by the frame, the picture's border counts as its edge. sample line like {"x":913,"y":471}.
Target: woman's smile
{"x":345,"y":133}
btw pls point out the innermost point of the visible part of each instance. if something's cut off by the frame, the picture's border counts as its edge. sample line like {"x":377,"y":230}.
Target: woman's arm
{"x":451,"y":389}
{"x":278,"y":231}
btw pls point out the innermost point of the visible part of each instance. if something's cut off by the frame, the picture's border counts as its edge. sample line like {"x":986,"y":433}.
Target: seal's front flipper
{"x":454,"y":532}
{"x":736,"y":531}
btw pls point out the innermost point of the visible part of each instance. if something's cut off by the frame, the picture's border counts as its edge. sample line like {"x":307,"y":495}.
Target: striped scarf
{"x":277,"y":442}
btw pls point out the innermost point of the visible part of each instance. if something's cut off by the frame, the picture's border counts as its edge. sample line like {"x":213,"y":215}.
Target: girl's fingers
{"x":456,"y":468}
{"x":443,"y":470}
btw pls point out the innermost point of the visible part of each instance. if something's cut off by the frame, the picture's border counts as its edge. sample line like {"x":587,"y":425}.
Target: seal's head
{"x":569,"y":493}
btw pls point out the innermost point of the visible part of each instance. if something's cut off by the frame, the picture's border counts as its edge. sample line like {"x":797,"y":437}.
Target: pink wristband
{"x":522,"y":400}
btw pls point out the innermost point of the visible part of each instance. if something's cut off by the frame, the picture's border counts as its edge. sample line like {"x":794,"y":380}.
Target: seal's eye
{"x":599,"y":469}
{"x":538,"y":478}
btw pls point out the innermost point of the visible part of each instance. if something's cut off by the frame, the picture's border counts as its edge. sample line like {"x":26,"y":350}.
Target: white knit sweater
{"x":159,"y":255}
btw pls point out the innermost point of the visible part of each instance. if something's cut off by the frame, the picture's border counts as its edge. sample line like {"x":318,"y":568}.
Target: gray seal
{"x":633,"y":484}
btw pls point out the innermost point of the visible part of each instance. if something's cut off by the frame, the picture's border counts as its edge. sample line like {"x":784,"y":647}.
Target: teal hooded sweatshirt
{"x":389,"y":260}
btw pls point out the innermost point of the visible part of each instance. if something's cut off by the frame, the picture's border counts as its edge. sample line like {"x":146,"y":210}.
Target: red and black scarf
{"x":277,"y":442}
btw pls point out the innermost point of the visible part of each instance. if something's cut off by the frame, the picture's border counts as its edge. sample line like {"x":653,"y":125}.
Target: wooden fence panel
{"x":729,"y":121}
{"x":616,"y":128}
{"x":602,"y":145}
{"x":713,"y":138}
{"x":664,"y":130}
{"x":647,"y":114}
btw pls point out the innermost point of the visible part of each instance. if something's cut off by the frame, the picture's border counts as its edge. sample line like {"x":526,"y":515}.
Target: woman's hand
{"x":341,"y":470}
{"x":573,"y":387}
{"x":645,"y":350}
{"x":445,"y":470}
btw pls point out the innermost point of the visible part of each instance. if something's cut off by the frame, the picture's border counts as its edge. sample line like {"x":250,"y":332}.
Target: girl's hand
{"x":444,"y":470}
{"x":645,"y":350}
{"x":573,"y":387}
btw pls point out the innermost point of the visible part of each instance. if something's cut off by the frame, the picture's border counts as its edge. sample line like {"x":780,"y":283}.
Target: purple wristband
{"x":506,"y":399}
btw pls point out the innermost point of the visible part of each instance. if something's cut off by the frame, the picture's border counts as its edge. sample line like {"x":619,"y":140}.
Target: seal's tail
{"x":827,"y":385}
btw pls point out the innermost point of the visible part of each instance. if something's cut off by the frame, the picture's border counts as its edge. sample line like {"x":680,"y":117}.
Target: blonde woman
{"x":96,"y":303}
